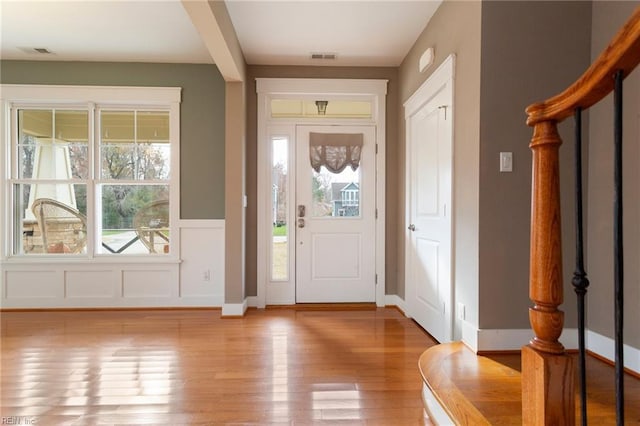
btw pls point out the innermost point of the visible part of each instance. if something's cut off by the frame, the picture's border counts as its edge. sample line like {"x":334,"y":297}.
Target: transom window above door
{"x":321,"y":108}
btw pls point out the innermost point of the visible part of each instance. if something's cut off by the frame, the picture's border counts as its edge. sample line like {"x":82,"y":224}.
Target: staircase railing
{"x":548,"y":391}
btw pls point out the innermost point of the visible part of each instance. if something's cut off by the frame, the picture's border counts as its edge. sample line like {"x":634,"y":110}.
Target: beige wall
{"x":455,"y":28}
{"x":230,"y":53}
{"x":202,"y":113}
{"x":255,"y":71}
{"x":530,"y":51}
{"x":227,"y":53}
{"x":608,"y":17}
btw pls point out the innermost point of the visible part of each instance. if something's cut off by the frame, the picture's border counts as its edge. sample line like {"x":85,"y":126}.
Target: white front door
{"x":429,"y":146}
{"x":335,"y":217}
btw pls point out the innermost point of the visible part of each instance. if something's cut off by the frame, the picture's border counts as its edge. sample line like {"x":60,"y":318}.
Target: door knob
{"x":300,"y":223}
{"x":411,"y":227}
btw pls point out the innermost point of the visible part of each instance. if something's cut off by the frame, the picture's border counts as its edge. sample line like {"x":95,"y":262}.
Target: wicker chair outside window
{"x":152,"y":226}
{"x":62,"y":227}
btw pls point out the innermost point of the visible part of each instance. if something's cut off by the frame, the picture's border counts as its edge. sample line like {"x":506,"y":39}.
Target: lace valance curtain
{"x":335,"y":151}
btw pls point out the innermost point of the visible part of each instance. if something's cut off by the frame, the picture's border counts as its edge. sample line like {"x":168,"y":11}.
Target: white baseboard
{"x":508,"y":339}
{"x":395,"y":300}
{"x":252,"y":301}
{"x":234,"y":309}
{"x":503,"y":340}
{"x":569,"y":338}
{"x":515,"y":339}
{"x":469,"y":335}
{"x":605,"y":347}
{"x":204,"y":301}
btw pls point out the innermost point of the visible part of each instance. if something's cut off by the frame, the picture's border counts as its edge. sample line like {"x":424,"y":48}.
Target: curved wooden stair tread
{"x":472,"y":389}
{"x":481,"y":390}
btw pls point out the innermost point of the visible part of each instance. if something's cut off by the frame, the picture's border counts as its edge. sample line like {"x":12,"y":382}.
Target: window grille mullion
{"x":93,"y":139}
{"x":91,"y":177}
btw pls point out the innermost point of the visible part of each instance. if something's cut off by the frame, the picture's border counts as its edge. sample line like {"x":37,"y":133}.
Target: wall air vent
{"x":326,"y":56}
{"x":42,"y":50}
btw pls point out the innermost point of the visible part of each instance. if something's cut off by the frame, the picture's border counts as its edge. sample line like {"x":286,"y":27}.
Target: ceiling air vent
{"x":327,"y":56}
{"x":36,"y":50}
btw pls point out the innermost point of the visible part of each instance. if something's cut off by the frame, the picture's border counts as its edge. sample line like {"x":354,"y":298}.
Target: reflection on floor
{"x":274,"y":366}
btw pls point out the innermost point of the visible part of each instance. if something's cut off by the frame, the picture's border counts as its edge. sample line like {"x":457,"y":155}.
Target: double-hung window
{"x":91,"y":171}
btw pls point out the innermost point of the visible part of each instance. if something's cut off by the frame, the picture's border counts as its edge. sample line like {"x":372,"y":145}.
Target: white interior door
{"x":429,"y":145}
{"x":335,"y":217}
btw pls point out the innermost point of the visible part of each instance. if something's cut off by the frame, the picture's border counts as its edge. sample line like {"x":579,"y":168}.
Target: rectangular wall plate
{"x":506,"y":161}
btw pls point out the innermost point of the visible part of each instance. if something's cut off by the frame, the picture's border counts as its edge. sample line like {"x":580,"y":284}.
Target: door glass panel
{"x":280,"y":208}
{"x":336,"y":194}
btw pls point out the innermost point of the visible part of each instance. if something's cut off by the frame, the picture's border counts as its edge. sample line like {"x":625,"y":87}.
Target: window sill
{"x":80,"y":260}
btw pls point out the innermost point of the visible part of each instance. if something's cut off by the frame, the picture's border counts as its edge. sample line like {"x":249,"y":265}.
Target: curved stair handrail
{"x":547,"y":370}
{"x":623,"y":53}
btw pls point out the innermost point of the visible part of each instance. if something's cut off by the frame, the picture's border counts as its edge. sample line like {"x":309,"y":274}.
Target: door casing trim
{"x":443,"y":74}
{"x":311,"y":89}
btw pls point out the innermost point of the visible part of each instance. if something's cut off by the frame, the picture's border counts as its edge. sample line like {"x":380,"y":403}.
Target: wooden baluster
{"x":547,"y":370}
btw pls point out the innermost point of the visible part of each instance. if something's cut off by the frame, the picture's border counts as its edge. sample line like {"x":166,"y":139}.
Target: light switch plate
{"x":506,"y":161}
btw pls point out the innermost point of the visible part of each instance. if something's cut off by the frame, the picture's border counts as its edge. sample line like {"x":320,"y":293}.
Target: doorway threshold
{"x":368,"y":306}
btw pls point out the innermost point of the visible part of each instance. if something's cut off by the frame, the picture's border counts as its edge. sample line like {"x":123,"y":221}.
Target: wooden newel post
{"x":547,"y":370}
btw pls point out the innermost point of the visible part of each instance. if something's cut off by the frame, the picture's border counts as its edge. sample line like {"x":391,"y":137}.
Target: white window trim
{"x":88,"y":96}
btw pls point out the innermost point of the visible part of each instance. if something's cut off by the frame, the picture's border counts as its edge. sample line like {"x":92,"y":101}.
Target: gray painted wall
{"x":202,"y":116}
{"x":530,"y":51}
{"x":608,"y":17}
{"x":508,"y":55}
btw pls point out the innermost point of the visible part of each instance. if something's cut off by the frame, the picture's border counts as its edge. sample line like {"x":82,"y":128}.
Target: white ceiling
{"x":368,"y":33}
{"x":112,"y":30}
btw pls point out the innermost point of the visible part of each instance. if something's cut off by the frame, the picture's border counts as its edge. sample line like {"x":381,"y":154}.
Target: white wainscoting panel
{"x":32,"y":284}
{"x":147,"y":283}
{"x":202,"y":268}
{"x":195,"y":279}
{"x":90,"y":284}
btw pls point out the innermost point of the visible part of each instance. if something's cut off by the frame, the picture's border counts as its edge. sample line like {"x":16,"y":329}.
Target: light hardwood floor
{"x":277,"y":366}
{"x":173,"y":367}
